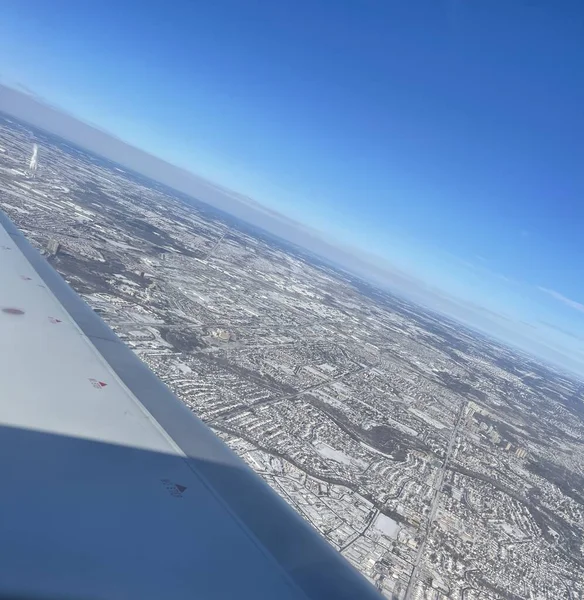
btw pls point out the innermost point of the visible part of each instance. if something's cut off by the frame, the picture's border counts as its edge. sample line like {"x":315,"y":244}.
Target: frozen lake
{"x":385,"y":525}
{"x":339,"y":456}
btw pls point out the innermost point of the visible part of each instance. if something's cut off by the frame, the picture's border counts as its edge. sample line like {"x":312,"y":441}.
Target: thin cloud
{"x":561,"y":298}
{"x":562,"y":330}
{"x":480,"y":267}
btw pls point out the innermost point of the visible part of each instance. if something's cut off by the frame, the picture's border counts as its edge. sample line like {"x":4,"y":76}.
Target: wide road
{"x":435,"y":504}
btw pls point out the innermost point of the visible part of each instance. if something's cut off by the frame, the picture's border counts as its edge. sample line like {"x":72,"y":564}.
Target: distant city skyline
{"x":442,"y":141}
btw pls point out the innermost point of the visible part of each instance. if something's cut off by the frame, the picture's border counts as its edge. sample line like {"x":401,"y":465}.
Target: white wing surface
{"x":110,"y":487}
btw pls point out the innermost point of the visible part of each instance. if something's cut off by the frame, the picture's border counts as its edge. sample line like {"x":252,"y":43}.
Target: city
{"x":439,"y":462}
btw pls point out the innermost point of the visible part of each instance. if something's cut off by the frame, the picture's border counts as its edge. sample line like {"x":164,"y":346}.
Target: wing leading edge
{"x":111,"y":487}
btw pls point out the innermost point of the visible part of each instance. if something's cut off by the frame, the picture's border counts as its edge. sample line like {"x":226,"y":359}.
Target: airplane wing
{"x":110,"y":487}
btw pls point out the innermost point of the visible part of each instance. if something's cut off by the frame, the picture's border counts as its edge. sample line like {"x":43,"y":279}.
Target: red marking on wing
{"x":97,"y":384}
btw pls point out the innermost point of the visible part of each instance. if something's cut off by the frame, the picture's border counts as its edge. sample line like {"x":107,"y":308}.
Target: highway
{"x":434,"y":506}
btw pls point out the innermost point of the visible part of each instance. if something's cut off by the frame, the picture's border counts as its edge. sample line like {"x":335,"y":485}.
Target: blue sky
{"x":445,"y":136}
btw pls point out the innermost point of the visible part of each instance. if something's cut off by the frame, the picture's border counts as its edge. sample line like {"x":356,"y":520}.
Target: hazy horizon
{"x":450,"y":175}
{"x":369,"y":267}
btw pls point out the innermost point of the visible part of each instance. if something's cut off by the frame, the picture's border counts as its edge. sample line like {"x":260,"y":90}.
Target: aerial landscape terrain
{"x":440,"y":463}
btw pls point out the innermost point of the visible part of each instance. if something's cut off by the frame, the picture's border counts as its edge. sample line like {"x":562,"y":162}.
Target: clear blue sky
{"x":446,"y":136}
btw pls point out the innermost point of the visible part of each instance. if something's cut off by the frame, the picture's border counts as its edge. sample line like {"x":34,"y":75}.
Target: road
{"x":435,"y":504}
{"x":214,"y":247}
